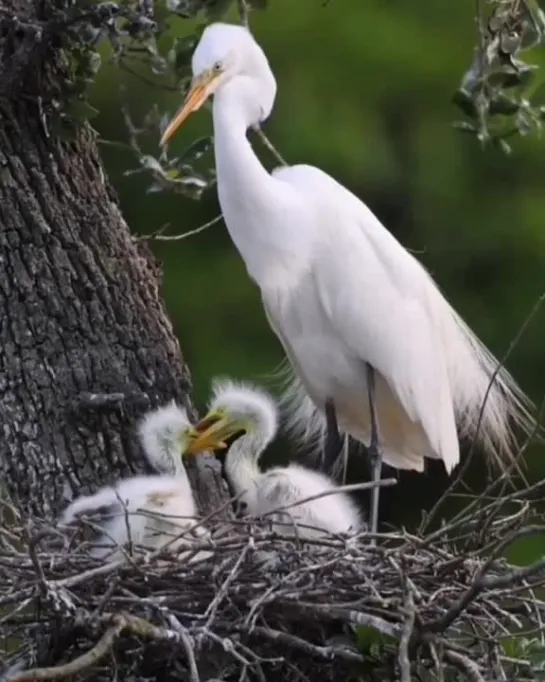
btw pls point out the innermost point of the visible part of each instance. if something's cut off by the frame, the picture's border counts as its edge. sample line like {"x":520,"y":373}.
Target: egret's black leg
{"x":375,"y":454}
{"x":333,"y":442}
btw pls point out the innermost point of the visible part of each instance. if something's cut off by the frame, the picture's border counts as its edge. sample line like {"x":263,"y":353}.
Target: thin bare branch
{"x":78,"y":665}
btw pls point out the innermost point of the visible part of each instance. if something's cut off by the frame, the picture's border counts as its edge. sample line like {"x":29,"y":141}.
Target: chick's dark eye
{"x":217,"y":67}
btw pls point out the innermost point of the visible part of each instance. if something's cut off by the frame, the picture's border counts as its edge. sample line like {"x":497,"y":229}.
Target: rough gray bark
{"x":85,"y":341}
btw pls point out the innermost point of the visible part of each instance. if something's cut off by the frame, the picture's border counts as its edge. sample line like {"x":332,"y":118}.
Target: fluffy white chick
{"x":148,"y":512}
{"x":240,"y":408}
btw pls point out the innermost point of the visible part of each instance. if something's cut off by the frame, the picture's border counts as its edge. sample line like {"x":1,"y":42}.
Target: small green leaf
{"x":80,"y":110}
{"x":370,"y":641}
{"x":158,"y":65}
{"x":510,"y":42}
{"x":197,"y":149}
{"x":216,"y":10}
{"x":503,"y":105}
{"x":184,"y":51}
{"x":464,"y":100}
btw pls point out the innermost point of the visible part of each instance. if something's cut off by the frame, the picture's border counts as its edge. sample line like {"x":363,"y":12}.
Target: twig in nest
{"x":352,"y":617}
{"x":33,"y":541}
{"x":465,"y":665}
{"x":437,"y":664}
{"x":211,"y":611}
{"x":480,"y":582}
{"x":515,"y":576}
{"x":188,"y":647}
{"x":327,"y":652}
{"x":78,"y":665}
{"x":382,"y":483}
{"x":406,"y":634}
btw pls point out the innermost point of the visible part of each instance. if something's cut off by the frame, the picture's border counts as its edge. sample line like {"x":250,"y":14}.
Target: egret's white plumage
{"x":165,"y":434}
{"x":239,"y":407}
{"x":146,"y":511}
{"x":340,"y":291}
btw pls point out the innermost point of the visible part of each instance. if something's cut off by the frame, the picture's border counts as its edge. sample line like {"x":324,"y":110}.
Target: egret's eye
{"x":217,"y":68}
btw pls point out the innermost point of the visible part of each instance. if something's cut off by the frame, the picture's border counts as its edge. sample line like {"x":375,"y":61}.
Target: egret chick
{"x":239,"y":408}
{"x":147,"y":511}
{"x":366,"y":329}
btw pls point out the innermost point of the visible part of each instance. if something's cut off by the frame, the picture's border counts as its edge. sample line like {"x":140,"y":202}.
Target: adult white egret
{"x":239,"y":408}
{"x":147,"y":511}
{"x":365,"y":327}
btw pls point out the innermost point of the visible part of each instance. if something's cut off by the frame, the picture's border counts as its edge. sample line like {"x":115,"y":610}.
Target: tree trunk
{"x":85,"y":342}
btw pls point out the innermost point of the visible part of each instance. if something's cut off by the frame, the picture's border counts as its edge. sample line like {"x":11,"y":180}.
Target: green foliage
{"x":528,"y":657}
{"x":496,"y":92}
{"x":373,"y":643}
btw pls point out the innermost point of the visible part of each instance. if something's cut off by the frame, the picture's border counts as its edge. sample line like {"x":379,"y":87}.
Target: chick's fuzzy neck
{"x":242,"y":462}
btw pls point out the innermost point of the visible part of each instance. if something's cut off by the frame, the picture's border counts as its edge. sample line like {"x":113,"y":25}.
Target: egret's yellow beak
{"x":189,"y":440}
{"x":212,"y":430}
{"x":200,"y":90}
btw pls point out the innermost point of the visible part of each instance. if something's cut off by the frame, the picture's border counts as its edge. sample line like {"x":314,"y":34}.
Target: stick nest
{"x":436,"y":605}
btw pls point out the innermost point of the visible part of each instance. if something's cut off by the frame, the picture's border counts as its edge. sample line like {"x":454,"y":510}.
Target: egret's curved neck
{"x":242,"y":462}
{"x":236,"y":161}
{"x":253,"y":202}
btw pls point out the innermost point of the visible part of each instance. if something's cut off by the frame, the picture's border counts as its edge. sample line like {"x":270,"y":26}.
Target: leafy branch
{"x":499,"y":94}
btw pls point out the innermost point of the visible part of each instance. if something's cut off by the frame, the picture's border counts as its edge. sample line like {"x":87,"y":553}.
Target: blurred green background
{"x":365,"y":93}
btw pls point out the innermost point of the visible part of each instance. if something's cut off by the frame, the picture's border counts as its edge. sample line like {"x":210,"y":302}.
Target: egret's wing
{"x":373,"y":293}
{"x":304,"y":419}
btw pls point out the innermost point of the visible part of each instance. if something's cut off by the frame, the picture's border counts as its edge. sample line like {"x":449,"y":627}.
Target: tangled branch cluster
{"x":437,"y":605}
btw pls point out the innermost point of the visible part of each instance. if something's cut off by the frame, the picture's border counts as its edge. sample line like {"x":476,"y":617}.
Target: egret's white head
{"x":228,"y":55}
{"x":236,"y":408}
{"x":168,"y":429}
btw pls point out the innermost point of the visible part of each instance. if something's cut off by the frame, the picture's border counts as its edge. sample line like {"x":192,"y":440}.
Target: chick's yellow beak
{"x":188,"y":439}
{"x":210,"y":432}
{"x":201,"y":89}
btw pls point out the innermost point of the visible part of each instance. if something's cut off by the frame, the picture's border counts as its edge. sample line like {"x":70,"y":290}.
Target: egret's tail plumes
{"x":303,"y":421}
{"x":488,"y":403}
